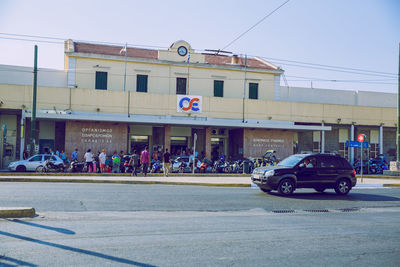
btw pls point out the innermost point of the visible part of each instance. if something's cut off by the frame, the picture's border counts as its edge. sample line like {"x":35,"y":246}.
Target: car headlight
{"x":269,"y":173}
{"x":12,"y":164}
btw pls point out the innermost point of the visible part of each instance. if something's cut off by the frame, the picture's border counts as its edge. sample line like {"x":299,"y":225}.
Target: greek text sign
{"x":188,"y":103}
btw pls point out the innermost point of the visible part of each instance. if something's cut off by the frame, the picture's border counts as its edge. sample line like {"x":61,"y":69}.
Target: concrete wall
{"x":162,"y":78}
{"x":24,"y":76}
{"x":339,"y":97}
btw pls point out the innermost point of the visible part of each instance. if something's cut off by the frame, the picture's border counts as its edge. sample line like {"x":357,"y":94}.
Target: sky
{"x":354,"y":36}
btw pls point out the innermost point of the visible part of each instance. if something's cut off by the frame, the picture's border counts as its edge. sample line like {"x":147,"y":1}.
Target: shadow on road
{"x":333,"y":196}
{"x":59,"y":230}
{"x":7,"y":261}
{"x":77,"y":250}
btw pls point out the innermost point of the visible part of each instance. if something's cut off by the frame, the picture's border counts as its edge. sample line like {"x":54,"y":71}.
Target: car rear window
{"x":330,"y":162}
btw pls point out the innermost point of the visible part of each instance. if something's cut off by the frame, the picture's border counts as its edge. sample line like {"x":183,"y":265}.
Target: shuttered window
{"x":101,"y":80}
{"x":219,"y":88}
{"x":253,"y":91}
{"x":181,"y":86}
{"x":141,"y":83}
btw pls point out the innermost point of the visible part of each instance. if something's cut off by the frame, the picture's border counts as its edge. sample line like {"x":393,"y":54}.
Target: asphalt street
{"x":169,"y":225}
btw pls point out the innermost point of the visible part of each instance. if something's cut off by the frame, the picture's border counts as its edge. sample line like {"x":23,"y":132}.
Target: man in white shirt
{"x":89,"y":160}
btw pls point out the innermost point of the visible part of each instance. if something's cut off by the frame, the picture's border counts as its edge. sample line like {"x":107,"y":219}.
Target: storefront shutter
{"x":141,"y":83}
{"x":253,"y":91}
{"x":101,"y":80}
{"x":219,"y":88}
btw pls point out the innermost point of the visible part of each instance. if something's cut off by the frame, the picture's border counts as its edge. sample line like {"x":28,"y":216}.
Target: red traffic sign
{"x":361,"y":138}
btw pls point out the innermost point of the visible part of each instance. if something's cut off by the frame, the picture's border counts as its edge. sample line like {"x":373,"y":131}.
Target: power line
{"x":273,"y":60}
{"x":261,"y":20}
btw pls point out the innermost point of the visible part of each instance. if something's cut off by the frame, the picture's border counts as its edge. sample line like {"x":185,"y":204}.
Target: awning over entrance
{"x":174,"y":120}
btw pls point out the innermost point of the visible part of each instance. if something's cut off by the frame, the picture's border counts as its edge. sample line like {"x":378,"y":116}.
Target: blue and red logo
{"x":189,"y":103}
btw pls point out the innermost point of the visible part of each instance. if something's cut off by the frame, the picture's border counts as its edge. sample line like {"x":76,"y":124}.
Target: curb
{"x":391,"y":185}
{"x":18,"y":212}
{"x":49,"y":180}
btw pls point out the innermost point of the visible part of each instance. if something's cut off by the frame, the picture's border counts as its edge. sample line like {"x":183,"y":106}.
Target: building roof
{"x":114,"y":50}
{"x":134,"y":52}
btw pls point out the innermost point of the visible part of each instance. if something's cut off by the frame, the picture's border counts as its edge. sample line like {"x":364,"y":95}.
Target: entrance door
{"x":178,"y":145}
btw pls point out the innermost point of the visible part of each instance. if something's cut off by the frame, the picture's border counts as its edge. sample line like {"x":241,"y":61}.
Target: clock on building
{"x":182,"y":51}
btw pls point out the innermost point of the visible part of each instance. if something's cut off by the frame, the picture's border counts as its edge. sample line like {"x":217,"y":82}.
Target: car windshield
{"x":291,"y":160}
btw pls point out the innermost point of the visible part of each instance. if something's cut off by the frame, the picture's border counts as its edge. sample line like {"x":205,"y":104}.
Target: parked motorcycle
{"x":206,"y":165}
{"x":156,"y":167}
{"x":182,"y":167}
{"x":49,"y":166}
{"x":77,"y":166}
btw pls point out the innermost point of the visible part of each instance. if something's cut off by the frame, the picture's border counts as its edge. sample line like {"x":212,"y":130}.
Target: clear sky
{"x":357,"y":34}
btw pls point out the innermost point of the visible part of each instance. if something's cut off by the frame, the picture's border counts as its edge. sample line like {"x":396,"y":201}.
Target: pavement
{"x":174,"y":179}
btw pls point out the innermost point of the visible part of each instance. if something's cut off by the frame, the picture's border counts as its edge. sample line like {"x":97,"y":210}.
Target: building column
{"x":352,"y":148}
{"x":167,"y":137}
{"x":323,"y":138}
{"x":207,"y":141}
{"x":381,"y":139}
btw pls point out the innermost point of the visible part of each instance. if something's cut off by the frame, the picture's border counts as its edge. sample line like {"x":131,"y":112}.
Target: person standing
{"x":134,"y":162}
{"x":167,"y":158}
{"x":102,"y":160}
{"x":25,"y":155}
{"x":145,"y":160}
{"x":116,"y":161}
{"x":89,"y":160}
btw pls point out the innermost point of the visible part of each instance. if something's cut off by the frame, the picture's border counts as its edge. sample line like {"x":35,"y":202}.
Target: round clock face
{"x":182,"y":51}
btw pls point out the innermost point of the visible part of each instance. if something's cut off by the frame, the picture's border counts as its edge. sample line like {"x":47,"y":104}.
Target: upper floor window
{"x":219,"y":88}
{"x":141,"y":83}
{"x":101,"y":80}
{"x":181,"y":86}
{"x":253,"y":90}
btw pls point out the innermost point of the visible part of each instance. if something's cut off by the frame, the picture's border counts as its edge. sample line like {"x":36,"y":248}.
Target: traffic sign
{"x":361,"y":138}
{"x":357,"y":144}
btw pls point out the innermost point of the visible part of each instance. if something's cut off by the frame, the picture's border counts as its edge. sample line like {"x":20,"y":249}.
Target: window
{"x":101,"y":80}
{"x":330,"y":162}
{"x":141,"y":83}
{"x":181,"y":86}
{"x":36,"y":158}
{"x":253,"y":91}
{"x":219,"y":88}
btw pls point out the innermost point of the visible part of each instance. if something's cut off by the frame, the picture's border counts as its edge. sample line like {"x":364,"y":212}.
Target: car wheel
{"x":343,"y":187}
{"x":265,"y":190}
{"x":286,"y":187}
{"x":20,"y":168}
{"x":320,"y":189}
{"x":40,"y":169}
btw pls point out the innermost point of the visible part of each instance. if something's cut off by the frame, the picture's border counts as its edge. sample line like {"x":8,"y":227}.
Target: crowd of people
{"x":100,"y":162}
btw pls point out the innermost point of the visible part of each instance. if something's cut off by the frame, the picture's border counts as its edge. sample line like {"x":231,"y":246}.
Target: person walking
{"x":167,"y":158}
{"x":102,"y":160}
{"x":134,"y":162}
{"x":145,"y":160}
{"x":89,"y":160}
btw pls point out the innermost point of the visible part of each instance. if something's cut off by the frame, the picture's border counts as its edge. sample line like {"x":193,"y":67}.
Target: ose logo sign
{"x":189,"y":104}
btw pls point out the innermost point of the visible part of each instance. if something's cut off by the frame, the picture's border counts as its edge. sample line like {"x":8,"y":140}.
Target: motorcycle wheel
{"x":40,"y":169}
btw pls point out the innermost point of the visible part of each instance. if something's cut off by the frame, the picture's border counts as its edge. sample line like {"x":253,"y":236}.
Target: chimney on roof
{"x":235,"y":60}
{"x":69,"y":46}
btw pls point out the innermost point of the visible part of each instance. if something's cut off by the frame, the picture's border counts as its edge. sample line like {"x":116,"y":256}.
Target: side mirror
{"x":301,"y":166}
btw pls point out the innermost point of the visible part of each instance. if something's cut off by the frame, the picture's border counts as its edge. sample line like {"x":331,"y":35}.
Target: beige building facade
{"x":126,"y":98}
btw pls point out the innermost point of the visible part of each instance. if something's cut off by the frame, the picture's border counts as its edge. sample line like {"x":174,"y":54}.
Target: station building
{"x":126,"y":98}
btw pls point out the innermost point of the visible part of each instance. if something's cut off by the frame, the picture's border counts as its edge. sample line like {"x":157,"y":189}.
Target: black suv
{"x":318,"y":171}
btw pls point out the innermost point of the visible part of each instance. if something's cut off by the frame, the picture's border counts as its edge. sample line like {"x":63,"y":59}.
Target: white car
{"x":32,"y":163}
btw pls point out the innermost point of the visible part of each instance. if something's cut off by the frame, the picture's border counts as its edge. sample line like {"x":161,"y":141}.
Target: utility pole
{"x":244,"y":85}
{"x":33,"y":120}
{"x":398,"y":114}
